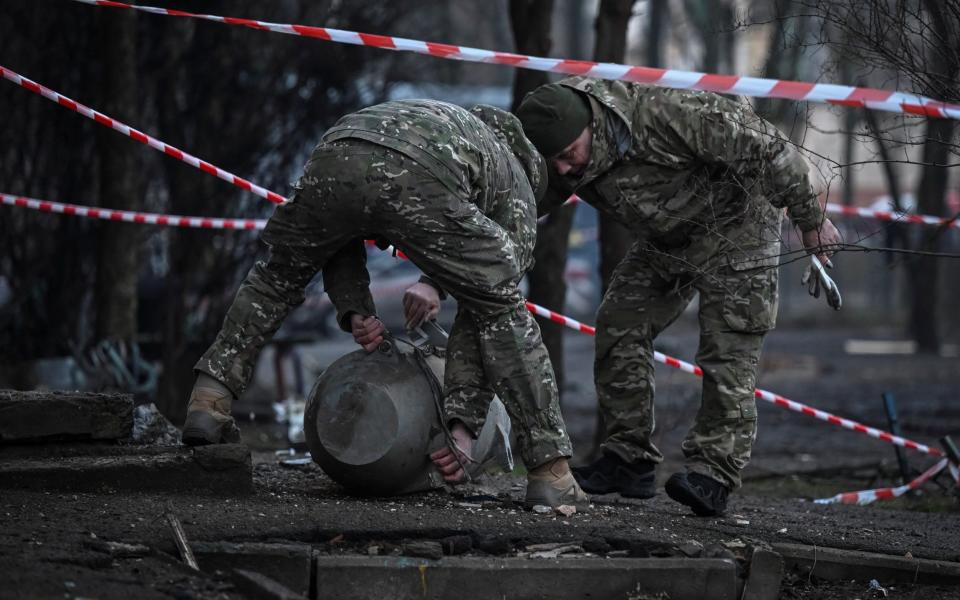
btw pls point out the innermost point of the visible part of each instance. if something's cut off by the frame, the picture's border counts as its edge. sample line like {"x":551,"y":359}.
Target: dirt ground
{"x":51,"y":544}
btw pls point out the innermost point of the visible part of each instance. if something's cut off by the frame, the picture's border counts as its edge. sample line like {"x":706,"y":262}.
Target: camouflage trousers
{"x":353,"y":190}
{"x":738,"y":305}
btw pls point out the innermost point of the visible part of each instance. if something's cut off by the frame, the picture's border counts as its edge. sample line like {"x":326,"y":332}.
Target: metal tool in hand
{"x":821,"y":281}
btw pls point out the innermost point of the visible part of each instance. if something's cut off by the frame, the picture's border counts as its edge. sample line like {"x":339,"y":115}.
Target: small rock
{"x":495,"y":545}
{"x":456,"y":544}
{"x":540,"y":509}
{"x":373,"y":550}
{"x":691,"y":549}
{"x":423,"y":549}
{"x":597,"y":545}
{"x":566,"y":510}
{"x":782,"y":530}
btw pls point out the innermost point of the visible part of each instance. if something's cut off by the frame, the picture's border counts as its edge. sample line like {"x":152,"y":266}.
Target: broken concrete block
{"x":288,"y":564}
{"x":423,"y":549}
{"x":766,"y":572}
{"x":403,"y":578}
{"x":456,"y":544}
{"x":260,"y":587}
{"x":835,"y":564}
{"x":64,"y":416}
{"x":215,"y":469}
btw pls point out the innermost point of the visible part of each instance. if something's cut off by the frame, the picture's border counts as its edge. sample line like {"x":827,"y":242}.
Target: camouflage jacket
{"x":469,"y":152}
{"x":674,"y":165}
{"x":465,"y":150}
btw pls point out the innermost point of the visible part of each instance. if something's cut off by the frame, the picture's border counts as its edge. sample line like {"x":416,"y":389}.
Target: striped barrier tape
{"x":899,"y":217}
{"x":853,"y":211}
{"x":578,"y":237}
{"x":728,"y":84}
{"x":210,"y":223}
{"x":869,"y":496}
{"x":211,"y":169}
{"x":139,"y":136}
{"x":263,"y":192}
{"x":128,"y":216}
{"x":762,"y":394}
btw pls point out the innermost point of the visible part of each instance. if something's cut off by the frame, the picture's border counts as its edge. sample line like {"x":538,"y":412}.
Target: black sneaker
{"x":610,"y":473}
{"x":705,"y":495}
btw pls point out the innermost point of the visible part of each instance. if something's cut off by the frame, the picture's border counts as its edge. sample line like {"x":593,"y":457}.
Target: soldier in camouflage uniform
{"x":455,"y":191}
{"x":701,"y":181}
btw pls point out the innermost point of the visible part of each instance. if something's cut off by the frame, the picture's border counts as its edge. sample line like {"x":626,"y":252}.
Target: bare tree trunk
{"x":924,"y":276}
{"x":611,"y":46}
{"x":116,"y":281}
{"x":895,"y":231}
{"x":531,"y":21}
{"x":615,"y":239}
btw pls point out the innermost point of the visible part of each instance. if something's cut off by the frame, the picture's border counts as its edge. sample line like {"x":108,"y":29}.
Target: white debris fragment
{"x":566,"y":510}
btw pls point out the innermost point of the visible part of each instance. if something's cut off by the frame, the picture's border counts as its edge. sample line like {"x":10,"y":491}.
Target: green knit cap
{"x":553,"y":115}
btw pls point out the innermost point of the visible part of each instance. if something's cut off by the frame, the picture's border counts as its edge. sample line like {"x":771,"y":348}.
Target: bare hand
{"x":367,"y":331}
{"x":446,"y":461}
{"x":421,"y":302}
{"x":822,"y":240}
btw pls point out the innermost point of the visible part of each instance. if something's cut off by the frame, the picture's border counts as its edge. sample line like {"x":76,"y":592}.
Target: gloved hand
{"x":815,"y":277}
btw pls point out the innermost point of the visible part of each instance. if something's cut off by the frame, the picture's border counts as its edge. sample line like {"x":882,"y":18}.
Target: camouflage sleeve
{"x":347,"y":282}
{"x":434,"y":285}
{"x":554,"y":197}
{"x":720,"y":131}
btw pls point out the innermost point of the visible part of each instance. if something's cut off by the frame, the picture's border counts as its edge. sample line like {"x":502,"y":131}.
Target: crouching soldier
{"x":701,"y":180}
{"x":456,"y":191}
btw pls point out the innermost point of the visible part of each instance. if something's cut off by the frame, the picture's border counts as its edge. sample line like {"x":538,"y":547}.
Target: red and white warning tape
{"x":140,"y":136}
{"x":882,"y":215}
{"x":762,"y":394}
{"x":211,"y":223}
{"x":728,"y":84}
{"x":885,"y":215}
{"x":276,"y":198}
{"x":128,"y":216}
{"x":869,"y":496}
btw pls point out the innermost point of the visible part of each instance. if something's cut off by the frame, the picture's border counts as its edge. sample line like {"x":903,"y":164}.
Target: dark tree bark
{"x":531,"y":21}
{"x":115,"y":295}
{"x":615,"y":239}
{"x":611,"y":46}
{"x":924,"y":276}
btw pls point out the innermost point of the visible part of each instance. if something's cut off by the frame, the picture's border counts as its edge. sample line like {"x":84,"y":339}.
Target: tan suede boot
{"x":208,"y":414}
{"x":552,"y":484}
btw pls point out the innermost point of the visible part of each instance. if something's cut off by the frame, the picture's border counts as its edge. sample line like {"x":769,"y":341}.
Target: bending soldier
{"x":455,"y":191}
{"x":701,"y":181}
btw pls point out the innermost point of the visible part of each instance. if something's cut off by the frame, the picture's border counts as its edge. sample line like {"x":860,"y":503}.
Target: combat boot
{"x":208,"y":414}
{"x":610,"y":473}
{"x":552,"y":484}
{"x":705,"y":495}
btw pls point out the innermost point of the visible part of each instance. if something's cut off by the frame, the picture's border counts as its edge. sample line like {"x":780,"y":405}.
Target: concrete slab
{"x":766,"y":573}
{"x":835,"y":564}
{"x":257,"y":586}
{"x":401,"y":578}
{"x":217,"y":469}
{"x":287,"y":564}
{"x":64,"y":415}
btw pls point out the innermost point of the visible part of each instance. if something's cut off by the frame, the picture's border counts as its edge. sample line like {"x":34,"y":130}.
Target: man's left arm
{"x":758,"y":154}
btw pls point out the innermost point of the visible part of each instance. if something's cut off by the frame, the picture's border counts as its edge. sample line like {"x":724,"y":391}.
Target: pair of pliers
{"x":822,"y":280}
